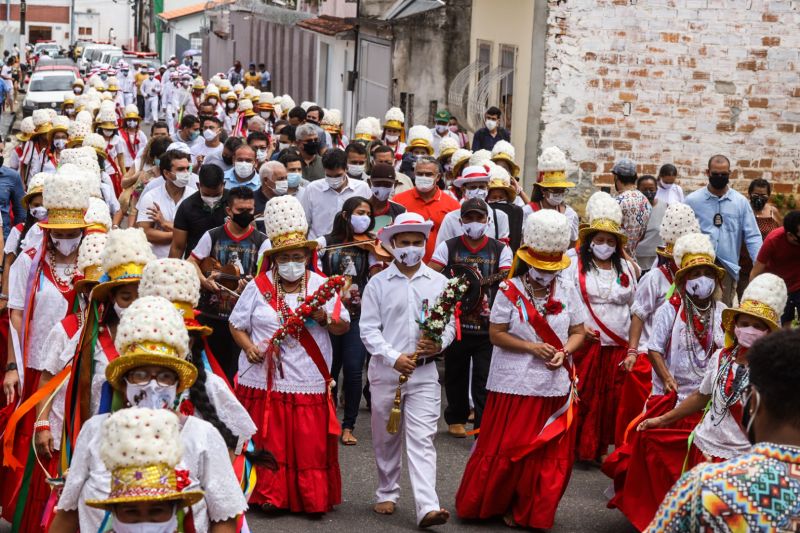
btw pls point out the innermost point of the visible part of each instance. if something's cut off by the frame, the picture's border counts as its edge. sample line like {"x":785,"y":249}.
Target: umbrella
{"x":192,"y":52}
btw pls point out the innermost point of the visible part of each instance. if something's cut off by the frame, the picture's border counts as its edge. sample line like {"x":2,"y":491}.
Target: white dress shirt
{"x":322,"y":203}
{"x":168,"y":208}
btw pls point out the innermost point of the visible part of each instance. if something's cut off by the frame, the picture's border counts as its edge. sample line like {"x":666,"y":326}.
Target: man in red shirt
{"x":780,"y":255}
{"x":427,"y":199}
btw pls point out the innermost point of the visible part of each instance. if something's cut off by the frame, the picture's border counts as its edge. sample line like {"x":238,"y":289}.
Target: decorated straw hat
{"x":41,"y":122}
{"x":552,"y":166}
{"x":51,"y":114}
{"x":305,"y":104}
{"x":472,"y":174}
{"x":124,"y":258}
{"x":604,"y":214}
{"x":332,"y":121}
{"x":545,"y":240}
{"x":84,"y":116}
{"x":377,"y":129}
{"x":78,"y":129}
{"x":679,"y":220}
{"x":151,"y":332}
{"x":286,"y":225}
{"x":98,"y":216}
{"x":764,"y":298}
{"x":96,"y":141}
{"x":68,"y":100}
{"x":420,"y":137}
{"x":90,"y":260}
{"x":447,"y":147}
{"x":459,"y":160}
{"x":198,"y":85}
{"x":395,"y":119}
{"x":504,"y":151}
{"x":212,"y":91}
{"x":408,"y":222}
{"x":266,"y":101}
{"x":107,"y":119}
{"x":238,"y":89}
{"x":66,"y":199}
{"x":248,"y":92}
{"x":131,"y":112}
{"x":60,"y":123}
{"x":26,"y":129}
{"x":693,"y":250}
{"x":255,"y":94}
{"x":35,"y":186}
{"x":84,"y":159}
{"x":177,"y":281}
{"x":113,"y":83}
{"x":363,"y":131}
{"x":287,"y":103}
{"x":142,"y":448}
{"x":480,"y":157}
{"x":499,"y":178}
{"x":78,"y":83}
{"x":246,"y":107}
{"x":230,"y":95}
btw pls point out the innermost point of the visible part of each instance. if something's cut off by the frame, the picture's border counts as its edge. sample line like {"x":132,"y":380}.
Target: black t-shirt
{"x":195,"y":218}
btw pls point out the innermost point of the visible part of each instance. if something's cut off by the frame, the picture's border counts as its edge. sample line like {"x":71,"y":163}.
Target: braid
{"x":202,"y":404}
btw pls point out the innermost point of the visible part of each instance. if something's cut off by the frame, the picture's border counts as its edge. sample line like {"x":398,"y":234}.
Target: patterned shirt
{"x":635,"y":216}
{"x":757,"y":491}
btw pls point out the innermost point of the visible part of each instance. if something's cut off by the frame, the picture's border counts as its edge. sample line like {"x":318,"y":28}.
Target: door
{"x":374,"y":79}
{"x":39,"y":33}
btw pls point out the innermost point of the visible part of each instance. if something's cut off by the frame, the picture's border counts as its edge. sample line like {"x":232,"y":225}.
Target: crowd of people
{"x":198,"y":270}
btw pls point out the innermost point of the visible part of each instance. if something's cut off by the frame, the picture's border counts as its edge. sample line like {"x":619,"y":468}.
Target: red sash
{"x":267,"y":290}
{"x":131,"y":147}
{"x":535,"y":206}
{"x":107,"y":343}
{"x":667,"y":273}
{"x":559,"y":422}
{"x":585,"y":295}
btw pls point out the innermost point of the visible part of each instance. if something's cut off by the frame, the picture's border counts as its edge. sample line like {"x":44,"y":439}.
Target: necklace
{"x":284,"y":311}
{"x":729,"y":387}
{"x":62,"y":284}
{"x":603,"y":292}
{"x":540,"y":303}
{"x":699,"y":327}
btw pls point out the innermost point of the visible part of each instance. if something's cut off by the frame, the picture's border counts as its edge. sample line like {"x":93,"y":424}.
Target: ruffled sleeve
{"x":230,"y":411}
{"x":242,"y":314}
{"x":223,"y":495}
{"x":662,"y":328}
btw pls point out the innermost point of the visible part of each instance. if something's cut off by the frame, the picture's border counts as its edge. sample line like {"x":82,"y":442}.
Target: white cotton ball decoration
{"x":693,"y":243}
{"x":27,"y":126}
{"x":480,"y":157}
{"x":40,"y":117}
{"x":245,"y":105}
{"x":78,"y":130}
{"x":601,"y":206}
{"x":85,"y":117}
{"x":420,"y":133}
{"x":503,"y":147}
{"x":284,"y":214}
{"x":448,"y":143}
{"x":137,"y":436}
{"x":61,"y":122}
{"x":152,"y":319}
{"x":363,"y":127}
{"x":377,"y":128}
{"x":126,"y":246}
{"x":462,"y":154}
{"x":98,"y":213}
{"x":547,"y":231}
{"x":333,"y":117}
{"x":767,"y":289}
{"x":679,"y":220}
{"x":173,"y":279}
{"x":96,"y":141}
{"x":38,"y":180}
{"x":394,"y":113}
{"x":65,"y":190}
{"x":91,"y":250}
{"x":552,"y":159}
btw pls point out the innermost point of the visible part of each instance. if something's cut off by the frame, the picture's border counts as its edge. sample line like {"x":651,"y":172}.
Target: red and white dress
{"x":507,"y":472}
{"x":131,"y":146}
{"x":293,"y":415}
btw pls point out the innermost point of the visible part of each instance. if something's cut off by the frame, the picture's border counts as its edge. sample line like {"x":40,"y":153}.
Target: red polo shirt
{"x":434,"y":210}
{"x":782,"y":258}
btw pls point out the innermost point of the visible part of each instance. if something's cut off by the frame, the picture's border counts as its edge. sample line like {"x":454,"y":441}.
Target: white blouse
{"x":253,"y":315}
{"x":669,"y":339}
{"x":651,"y":292}
{"x":611,"y":302}
{"x":525,"y":374}
{"x":204,"y":455}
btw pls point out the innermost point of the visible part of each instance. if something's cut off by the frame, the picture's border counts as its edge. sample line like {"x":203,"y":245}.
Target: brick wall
{"x":675,"y":81}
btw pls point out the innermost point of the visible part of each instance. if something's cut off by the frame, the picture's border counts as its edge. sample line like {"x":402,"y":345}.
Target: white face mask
{"x":151,"y":395}
{"x":66,"y":246}
{"x":210,"y":201}
{"x":243,"y":169}
{"x":355,"y":170}
{"x":424,"y":183}
{"x":209,"y":134}
{"x":181,"y":179}
{"x":476,"y":193}
{"x":474,"y":230}
{"x":170,"y":526}
{"x":602,"y":251}
{"x":119,"y":310}
{"x":261,"y":155}
{"x":382,"y":193}
{"x":281,"y":187}
{"x":108,"y":133}
{"x":410,"y":255}
{"x":392,"y":138}
{"x":542,"y":277}
{"x":231,"y":105}
{"x":334,"y":182}
{"x":59,"y":144}
{"x":665,"y":186}
{"x":39,"y":213}
{"x":555,"y":199}
{"x":283,"y":146}
{"x":701,"y":287}
{"x":292,"y":271}
{"x":212,"y":101}
{"x":360,"y":223}
{"x":132,"y":124}
{"x":490,"y":124}
{"x":441,"y":128}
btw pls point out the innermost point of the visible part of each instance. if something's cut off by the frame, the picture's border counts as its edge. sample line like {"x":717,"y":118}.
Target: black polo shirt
{"x":195,"y":218}
{"x":483,"y":140}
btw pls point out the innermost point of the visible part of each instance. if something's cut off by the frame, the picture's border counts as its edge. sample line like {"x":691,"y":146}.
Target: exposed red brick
{"x":796,"y":92}
{"x":611,"y":84}
{"x":588,"y":120}
{"x":606,"y":120}
{"x":622,"y":146}
{"x":589,"y":56}
{"x":604,"y":179}
{"x":760,"y":53}
{"x":765,"y":163}
{"x":752,"y":174}
{"x":603,"y":143}
{"x":743,"y":163}
{"x":627,"y":97}
{"x":588,"y":166}
{"x":670,"y":37}
{"x":649,"y":169}
{"x":771,"y":41}
{"x":642,"y":72}
{"x":746,"y":128}
{"x":758,"y":102}
{"x":633,"y":135}
{"x":785,"y":128}
{"x":783,"y":188}
{"x":747,"y":65}
{"x":724,"y":126}
{"x":593,"y":83}
{"x":769,"y":17}
{"x":697,"y":75}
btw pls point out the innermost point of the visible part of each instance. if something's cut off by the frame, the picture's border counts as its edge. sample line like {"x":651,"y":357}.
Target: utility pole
{"x":72,"y":38}
{"x":22,"y":9}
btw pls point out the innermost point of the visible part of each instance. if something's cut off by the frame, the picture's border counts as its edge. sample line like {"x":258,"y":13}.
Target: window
{"x":484,"y":58}
{"x":84,"y":31}
{"x":508,"y":60}
{"x":51,"y":83}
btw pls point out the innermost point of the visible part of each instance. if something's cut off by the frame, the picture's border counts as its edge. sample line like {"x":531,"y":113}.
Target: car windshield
{"x":52,"y":83}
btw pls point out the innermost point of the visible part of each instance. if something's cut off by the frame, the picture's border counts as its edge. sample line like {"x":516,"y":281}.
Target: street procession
{"x":233,"y":301}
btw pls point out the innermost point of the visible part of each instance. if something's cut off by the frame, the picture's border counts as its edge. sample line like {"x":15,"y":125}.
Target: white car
{"x":47,"y":88}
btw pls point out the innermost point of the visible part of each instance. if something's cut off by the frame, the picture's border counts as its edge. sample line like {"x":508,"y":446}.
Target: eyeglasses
{"x":142,"y":377}
{"x":290,"y":258}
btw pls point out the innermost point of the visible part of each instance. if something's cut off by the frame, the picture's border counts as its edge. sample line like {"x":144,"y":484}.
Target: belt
{"x":422,"y":361}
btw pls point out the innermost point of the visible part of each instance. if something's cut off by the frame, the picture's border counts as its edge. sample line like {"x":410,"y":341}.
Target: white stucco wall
{"x":108,"y":15}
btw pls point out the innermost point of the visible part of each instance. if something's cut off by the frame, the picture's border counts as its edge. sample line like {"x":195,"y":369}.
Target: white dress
{"x":204,"y":455}
{"x":651,"y":292}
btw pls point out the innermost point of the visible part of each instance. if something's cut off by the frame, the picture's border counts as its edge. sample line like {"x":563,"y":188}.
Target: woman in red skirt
{"x":606,"y":284}
{"x":521,"y":464}
{"x":288,"y":395}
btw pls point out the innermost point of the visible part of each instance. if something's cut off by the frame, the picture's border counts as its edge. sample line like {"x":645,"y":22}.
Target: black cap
{"x":474,"y":204}
{"x":382,"y":171}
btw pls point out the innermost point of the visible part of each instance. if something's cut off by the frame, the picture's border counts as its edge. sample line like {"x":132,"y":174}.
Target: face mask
{"x":602,"y":251}
{"x":151,"y":76}
{"x":181,"y":179}
{"x":476,"y":193}
{"x":194,"y":135}
{"x":718,"y":181}
{"x":293,"y":179}
{"x":665,"y":186}
{"x":151,"y":395}
{"x":441,"y":128}
{"x":119,"y":310}
{"x":69,"y":111}
{"x":311,"y":147}
{"x":424,"y":183}
{"x":281,"y":187}
{"x":261,"y":155}
{"x":491,"y":124}
{"x":209,"y":134}
{"x":243,"y":169}
{"x":156,"y":162}
{"x":243,"y":219}
{"x":132,"y":124}
{"x":77,"y":90}
{"x":410,"y":255}
{"x":758,"y":202}
{"x":747,"y":418}
{"x":360,"y":223}
{"x":212,"y":101}
{"x":650,"y":195}
{"x":334,"y":182}
{"x":39,"y":213}
{"x":474,"y":230}
{"x":355,"y":170}
{"x":701,"y":287}
{"x":231,"y":105}
{"x":283,"y":146}
{"x":227,"y":159}
{"x":747,"y":336}
{"x":59,"y":144}
{"x":543,"y":278}
{"x":170,"y":526}
{"x":292,"y":271}
{"x":382,"y":193}
{"x":66,"y":246}
{"x":125,"y":72}
{"x":454,"y":129}
{"x":265,"y":115}
{"x":210,"y":201}
{"x":392,"y":138}
{"x":108,"y":133}
{"x":555,"y":199}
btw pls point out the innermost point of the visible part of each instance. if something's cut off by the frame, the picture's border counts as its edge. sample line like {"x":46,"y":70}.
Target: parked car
{"x":47,"y":88}
{"x":92,"y":52}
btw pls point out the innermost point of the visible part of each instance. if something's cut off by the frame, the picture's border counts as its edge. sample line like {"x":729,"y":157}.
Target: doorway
{"x":39,"y":33}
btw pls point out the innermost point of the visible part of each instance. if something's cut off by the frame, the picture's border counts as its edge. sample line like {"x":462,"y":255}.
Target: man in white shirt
{"x":393,"y":301}
{"x":323,"y":199}
{"x":157,"y":207}
{"x":211,"y":146}
{"x":151,"y":89}
{"x":441,"y":130}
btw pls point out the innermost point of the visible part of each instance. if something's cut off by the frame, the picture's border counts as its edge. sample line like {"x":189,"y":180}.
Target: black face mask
{"x":719,"y":180}
{"x":311,"y":147}
{"x":2,"y":159}
{"x":650,"y":195}
{"x":758,"y":202}
{"x":227,"y":159}
{"x":243,"y":219}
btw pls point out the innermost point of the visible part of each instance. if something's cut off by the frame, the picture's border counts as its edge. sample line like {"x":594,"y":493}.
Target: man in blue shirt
{"x":266,"y":79}
{"x":485,"y":138}
{"x":11,"y":193}
{"x":726,"y":217}
{"x":243,"y":173}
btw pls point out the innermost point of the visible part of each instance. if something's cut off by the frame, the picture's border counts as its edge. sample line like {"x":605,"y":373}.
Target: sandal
{"x":385,"y":508}
{"x":348,"y":439}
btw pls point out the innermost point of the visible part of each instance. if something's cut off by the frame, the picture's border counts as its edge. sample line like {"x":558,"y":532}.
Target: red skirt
{"x":308,"y":478}
{"x":600,"y":380}
{"x":531,"y":487}
{"x":635,"y":391}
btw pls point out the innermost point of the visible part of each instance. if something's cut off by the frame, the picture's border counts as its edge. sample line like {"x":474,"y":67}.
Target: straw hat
{"x":198,"y":85}
{"x":287,"y":103}
{"x":408,"y":222}
{"x":764,"y":298}
{"x":41,"y":122}
{"x":35,"y":186}
{"x":545,"y":240}
{"x":89,"y":260}
{"x":51,"y":114}
{"x":552,"y":166}
{"x":60,"y":123}
{"x":65,"y":197}
{"x":499,"y":178}
{"x":78,"y":129}
{"x":131,"y":112}
{"x":504,"y":151}
{"x":459,"y":160}
{"x":604,"y":214}
{"x":246,"y":107}
{"x":480,"y":157}
{"x":177,"y":281}
{"x":141,"y":448}
{"x":679,"y":220}
{"x":332,"y":121}
{"x":266,"y":101}
{"x":286,"y":225}
{"x":98,"y":216}
{"x":230,"y":95}
{"x":395,"y":119}
{"x":96,"y":141}
{"x":107,"y":119}
{"x":124,"y":258}
{"x":693,"y":250}
{"x":447,"y":147}
{"x":113,"y":83}
{"x":377,"y":129}
{"x":26,"y":129}
{"x":151,"y":332}
{"x":420,"y":137}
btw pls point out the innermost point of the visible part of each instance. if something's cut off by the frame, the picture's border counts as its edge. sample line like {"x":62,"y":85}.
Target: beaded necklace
{"x":63,"y":285}
{"x":539,"y":303}
{"x":699,"y":325}
{"x":284,"y":311}
{"x":729,"y":386}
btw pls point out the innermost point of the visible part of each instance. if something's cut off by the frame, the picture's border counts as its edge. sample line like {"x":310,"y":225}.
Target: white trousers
{"x":129,"y":98}
{"x":151,"y":108}
{"x":421,"y":408}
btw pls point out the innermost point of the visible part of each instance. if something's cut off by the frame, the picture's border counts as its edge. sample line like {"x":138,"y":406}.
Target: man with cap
{"x":382,"y":182}
{"x":487,"y":257}
{"x":441,"y":130}
{"x":635,"y":205}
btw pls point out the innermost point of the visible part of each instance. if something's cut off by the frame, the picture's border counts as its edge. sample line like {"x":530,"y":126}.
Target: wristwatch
{"x":11,"y":366}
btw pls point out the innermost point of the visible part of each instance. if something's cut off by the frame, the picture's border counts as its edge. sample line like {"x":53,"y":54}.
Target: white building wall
{"x":334,"y":93}
{"x":104,"y":15}
{"x":184,"y":27}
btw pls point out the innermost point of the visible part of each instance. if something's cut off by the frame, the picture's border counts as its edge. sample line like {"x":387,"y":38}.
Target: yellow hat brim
{"x":512,"y":192}
{"x":83,"y":284}
{"x":311,"y":245}
{"x":102,"y":291}
{"x":184,"y":499}
{"x":507,"y":158}
{"x":116,"y":369}
{"x":29,"y":195}
{"x":730,"y":314}
{"x":65,"y":225}
{"x":585,"y":234}
{"x":556,"y":184}
{"x":719,"y":271}
{"x":540,"y":264}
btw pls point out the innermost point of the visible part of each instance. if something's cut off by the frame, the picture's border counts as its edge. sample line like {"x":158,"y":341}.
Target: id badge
{"x":718,"y":220}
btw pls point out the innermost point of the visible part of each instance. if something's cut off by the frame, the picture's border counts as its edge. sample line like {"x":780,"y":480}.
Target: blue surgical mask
{"x":294,"y":179}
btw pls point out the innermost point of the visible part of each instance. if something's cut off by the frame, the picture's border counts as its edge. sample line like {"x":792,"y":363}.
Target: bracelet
{"x":631,"y":351}
{"x":11,"y":366}
{"x":41,"y":425}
